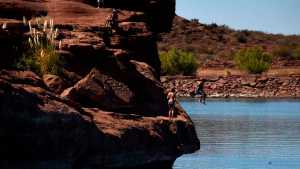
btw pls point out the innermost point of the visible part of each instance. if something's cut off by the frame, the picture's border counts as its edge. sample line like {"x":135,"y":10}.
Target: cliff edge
{"x":107,"y":108}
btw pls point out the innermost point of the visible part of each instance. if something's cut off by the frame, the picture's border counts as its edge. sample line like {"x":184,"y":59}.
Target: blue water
{"x":244,"y":134}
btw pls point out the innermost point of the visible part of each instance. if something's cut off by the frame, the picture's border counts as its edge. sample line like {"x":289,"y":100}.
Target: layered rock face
{"x":108,"y":108}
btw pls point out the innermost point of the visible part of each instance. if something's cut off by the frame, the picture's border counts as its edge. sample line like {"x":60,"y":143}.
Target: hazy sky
{"x":273,"y":16}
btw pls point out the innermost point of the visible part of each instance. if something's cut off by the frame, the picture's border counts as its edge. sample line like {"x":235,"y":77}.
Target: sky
{"x":271,"y":16}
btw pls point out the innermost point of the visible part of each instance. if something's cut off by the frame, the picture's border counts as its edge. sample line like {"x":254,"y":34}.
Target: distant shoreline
{"x":244,"y":98}
{"x":238,"y":86}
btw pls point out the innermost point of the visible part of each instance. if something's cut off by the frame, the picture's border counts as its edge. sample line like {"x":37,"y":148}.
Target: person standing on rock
{"x":171,"y":102}
{"x":200,"y":91}
{"x":115,"y":19}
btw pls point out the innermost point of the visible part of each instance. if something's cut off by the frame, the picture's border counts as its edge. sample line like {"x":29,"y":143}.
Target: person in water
{"x":200,"y":91}
{"x":171,"y":102}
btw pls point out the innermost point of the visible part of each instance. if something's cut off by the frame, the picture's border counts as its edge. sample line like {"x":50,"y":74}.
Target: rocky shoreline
{"x":239,"y":86}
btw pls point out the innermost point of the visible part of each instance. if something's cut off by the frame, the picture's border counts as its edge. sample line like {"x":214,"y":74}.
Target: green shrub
{"x":41,"y":56}
{"x":296,"y":53}
{"x":42,"y":60}
{"x":253,"y":60}
{"x":282,"y":51}
{"x":287,"y":51}
{"x":195,"y":21}
{"x":242,"y":36}
{"x":176,"y":62}
{"x":212,"y":25}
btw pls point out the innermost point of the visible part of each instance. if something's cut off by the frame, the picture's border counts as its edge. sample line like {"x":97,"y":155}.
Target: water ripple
{"x":245,"y":135}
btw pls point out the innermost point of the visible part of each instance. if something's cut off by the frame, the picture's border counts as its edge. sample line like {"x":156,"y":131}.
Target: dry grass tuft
{"x":41,"y":55}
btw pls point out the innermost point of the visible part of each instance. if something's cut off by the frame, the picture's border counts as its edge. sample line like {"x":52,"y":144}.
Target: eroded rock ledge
{"x":108,"y":108}
{"x":42,"y":130}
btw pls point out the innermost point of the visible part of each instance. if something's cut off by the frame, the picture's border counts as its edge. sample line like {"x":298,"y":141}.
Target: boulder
{"x":102,"y":91}
{"x":47,"y":132}
{"x":139,"y":141}
{"x":54,"y":83}
{"x":149,"y":90}
{"x":22,"y":77}
{"x":146,"y":70}
{"x":34,"y":124}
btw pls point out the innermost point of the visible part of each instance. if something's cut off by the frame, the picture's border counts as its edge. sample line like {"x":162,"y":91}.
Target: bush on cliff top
{"x":41,"y":56}
{"x":176,"y":62}
{"x":253,"y":60}
{"x":42,"y":60}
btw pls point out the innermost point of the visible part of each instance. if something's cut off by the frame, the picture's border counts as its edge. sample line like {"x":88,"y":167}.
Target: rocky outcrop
{"x":82,"y":27}
{"x":161,"y":11}
{"x":100,"y":90}
{"x":55,"y":83}
{"x":107,"y":107}
{"x":248,"y":86}
{"x":42,"y":130}
{"x":158,"y":14}
{"x":21,"y":77}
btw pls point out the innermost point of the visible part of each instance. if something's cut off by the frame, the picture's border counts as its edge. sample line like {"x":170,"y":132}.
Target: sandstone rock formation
{"x":108,"y":108}
{"x":42,"y":130}
{"x":55,"y":83}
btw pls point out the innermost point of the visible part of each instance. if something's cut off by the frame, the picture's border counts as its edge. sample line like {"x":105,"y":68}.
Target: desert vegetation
{"x":288,"y":51}
{"x":242,"y":36}
{"x":40,"y":53}
{"x":254,"y":60}
{"x":177,"y":61}
{"x":215,"y":45}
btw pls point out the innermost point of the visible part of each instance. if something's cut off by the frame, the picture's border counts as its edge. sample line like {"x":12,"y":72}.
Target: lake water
{"x":244,"y":134}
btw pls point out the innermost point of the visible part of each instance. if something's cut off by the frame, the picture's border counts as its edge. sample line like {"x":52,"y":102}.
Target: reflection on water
{"x":245,"y":134}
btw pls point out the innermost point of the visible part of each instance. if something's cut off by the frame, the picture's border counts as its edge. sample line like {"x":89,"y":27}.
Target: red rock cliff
{"x":108,"y":108}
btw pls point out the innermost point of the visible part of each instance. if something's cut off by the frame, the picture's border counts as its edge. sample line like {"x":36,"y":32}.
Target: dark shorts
{"x":199,"y":92}
{"x":171,"y":105}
